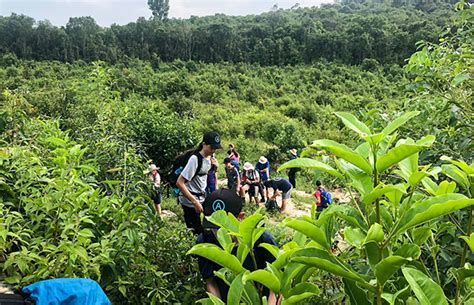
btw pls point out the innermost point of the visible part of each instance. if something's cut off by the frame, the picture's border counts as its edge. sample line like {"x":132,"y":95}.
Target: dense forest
{"x":347,"y":33}
{"x":376,"y":96}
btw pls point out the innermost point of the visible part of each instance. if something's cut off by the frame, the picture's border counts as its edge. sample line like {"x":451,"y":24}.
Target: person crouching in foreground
{"x":230,"y":202}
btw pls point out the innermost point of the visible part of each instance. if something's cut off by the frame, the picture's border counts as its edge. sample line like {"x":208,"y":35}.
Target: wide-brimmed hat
{"x":151,"y":168}
{"x":293,"y":151}
{"x":248,"y":166}
{"x":262,"y":160}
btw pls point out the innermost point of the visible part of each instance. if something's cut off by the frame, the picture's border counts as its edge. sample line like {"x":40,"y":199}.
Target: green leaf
{"x":374,"y":139}
{"x":56,"y":141}
{"x":469,"y":240}
{"x":225,"y":240}
{"x":457,"y":175}
{"x":426,"y":290}
{"x":355,"y":237}
{"x":468,"y":169}
{"x":381,"y":190}
{"x":344,"y":152}
{"x":218,"y":256}
{"x":375,"y":234}
{"x":353,"y":123}
{"x":388,"y":266}
{"x":420,"y":235}
{"x":433,"y":208}
{"x":402,"y":151}
{"x":310,"y":230}
{"x":461,"y":77}
{"x":300,"y":292}
{"x":312,"y":164}
{"x":274,"y":250}
{"x":395,"y":124}
{"x":235,"y":291}
{"x":247,"y":227}
{"x":357,"y":296}
{"x":222,"y":219}
{"x":265,"y":278}
{"x":323,"y":260}
{"x":409,"y":251}
{"x":392,"y":298}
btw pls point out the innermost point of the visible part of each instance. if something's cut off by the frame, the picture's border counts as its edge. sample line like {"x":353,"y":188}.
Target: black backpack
{"x":271,"y":205}
{"x":178,"y":166}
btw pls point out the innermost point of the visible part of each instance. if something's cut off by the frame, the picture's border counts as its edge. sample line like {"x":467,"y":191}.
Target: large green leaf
{"x":469,"y":241}
{"x":388,"y":266}
{"x":310,"y":230}
{"x":433,"y":208}
{"x":357,"y":296}
{"x":264,"y":277}
{"x":402,"y":151}
{"x":323,"y":260}
{"x":222,"y":219}
{"x":392,"y":298}
{"x":300,"y":292}
{"x":225,"y":240}
{"x":425,"y":289}
{"x":344,"y":152}
{"x":360,"y":180}
{"x":312,"y":164}
{"x":395,"y":124}
{"x":218,"y":256}
{"x":457,"y":175}
{"x":381,"y":190}
{"x":247,"y":227}
{"x":468,"y":169}
{"x":355,"y":237}
{"x":353,"y":123}
{"x":235,"y":291}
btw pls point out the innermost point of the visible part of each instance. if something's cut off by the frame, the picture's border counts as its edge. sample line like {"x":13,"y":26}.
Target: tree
{"x":159,"y":8}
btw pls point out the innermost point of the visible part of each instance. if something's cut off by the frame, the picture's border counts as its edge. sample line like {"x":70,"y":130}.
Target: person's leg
{"x":285,"y":199}
{"x":192,"y":219}
{"x":292,"y":177}
{"x":157,"y":201}
{"x":261,"y":192}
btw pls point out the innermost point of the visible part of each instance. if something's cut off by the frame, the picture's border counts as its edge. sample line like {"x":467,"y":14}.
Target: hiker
{"x":192,"y":181}
{"x":233,"y":176}
{"x":230,"y":202}
{"x":212,"y":176}
{"x":263,"y":168}
{"x":251,"y":180}
{"x":323,"y":197}
{"x":292,"y":172}
{"x":154,"y":176}
{"x":281,"y":187}
{"x":234,"y":156}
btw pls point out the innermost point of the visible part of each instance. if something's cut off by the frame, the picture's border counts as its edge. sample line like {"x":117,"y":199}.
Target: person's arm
{"x":157,"y":180}
{"x":186,"y":193}
{"x":215,"y":179}
{"x":238,"y":181}
{"x":211,"y":287}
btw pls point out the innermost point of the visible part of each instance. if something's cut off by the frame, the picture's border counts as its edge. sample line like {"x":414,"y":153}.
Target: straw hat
{"x":262,"y":160}
{"x":248,"y":166}
{"x":151,"y":168}
{"x":293,"y":151}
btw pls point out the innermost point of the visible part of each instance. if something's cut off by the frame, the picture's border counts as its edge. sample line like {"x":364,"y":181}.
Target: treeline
{"x":348,"y":32}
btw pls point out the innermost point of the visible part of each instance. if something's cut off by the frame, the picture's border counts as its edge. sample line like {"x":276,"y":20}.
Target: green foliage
{"x":383,"y":214}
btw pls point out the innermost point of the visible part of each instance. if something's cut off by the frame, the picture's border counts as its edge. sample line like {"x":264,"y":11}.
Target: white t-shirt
{"x":196,"y":184}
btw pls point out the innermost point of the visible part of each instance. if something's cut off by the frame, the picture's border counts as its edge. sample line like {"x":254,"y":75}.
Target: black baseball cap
{"x":222,"y":199}
{"x":212,"y":138}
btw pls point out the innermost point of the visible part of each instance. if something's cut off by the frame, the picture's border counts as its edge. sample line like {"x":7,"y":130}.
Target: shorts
{"x":157,"y":197}
{"x":286,"y":195}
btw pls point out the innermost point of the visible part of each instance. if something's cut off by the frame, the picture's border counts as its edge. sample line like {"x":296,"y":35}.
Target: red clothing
{"x":317,"y":194}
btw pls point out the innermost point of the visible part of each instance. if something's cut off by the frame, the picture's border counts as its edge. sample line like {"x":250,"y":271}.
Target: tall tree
{"x":159,"y":8}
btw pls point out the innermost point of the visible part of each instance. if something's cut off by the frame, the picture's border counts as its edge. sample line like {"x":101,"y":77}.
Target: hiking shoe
{"x":262,"y":200}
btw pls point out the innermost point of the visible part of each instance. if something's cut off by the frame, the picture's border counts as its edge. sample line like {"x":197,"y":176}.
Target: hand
{"x":198,"y":207}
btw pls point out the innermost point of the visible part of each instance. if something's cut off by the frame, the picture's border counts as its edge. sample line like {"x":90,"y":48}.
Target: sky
{"x":106,"y":12}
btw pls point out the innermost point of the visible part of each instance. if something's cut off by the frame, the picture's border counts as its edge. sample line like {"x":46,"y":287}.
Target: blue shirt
{"x":260,"y":168}
{"x":281,"y":185}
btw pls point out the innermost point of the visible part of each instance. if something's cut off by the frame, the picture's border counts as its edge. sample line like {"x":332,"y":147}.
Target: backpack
{"x":271,"y":205}
{"x":178,"y":166}
{"x":326,"y":198}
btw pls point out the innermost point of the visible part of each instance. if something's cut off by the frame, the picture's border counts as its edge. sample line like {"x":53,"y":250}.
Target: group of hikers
{"x":195,"y":176}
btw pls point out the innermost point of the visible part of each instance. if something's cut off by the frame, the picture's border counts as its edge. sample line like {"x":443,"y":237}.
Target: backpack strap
{"x":200,"y":159}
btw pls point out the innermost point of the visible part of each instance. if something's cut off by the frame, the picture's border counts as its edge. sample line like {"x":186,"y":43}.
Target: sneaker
{"x":262,"y":200}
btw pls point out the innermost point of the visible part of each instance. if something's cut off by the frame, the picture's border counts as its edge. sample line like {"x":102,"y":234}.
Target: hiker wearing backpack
{"x":234,"y":156}
{"x":154,"y":176}
{"x":323,"y":197}
{"x":250,"y":181}
{"x":192,"y":180}
{"x":230,"y":202}
{"x":281,"y":187}
{"x":233,"y":176}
